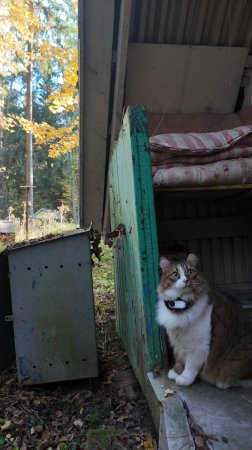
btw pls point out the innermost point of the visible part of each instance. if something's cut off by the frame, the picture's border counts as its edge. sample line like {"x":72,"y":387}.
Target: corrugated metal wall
{"x":192,"y":22}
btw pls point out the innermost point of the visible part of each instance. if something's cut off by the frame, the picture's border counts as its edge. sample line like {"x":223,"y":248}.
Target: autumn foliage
{"x":30,"y":21}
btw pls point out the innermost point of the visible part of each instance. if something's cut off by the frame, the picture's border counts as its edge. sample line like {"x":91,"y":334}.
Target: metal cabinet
{"x":53,"y":311}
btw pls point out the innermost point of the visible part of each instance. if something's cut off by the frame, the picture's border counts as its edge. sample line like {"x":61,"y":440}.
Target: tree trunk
{"x":3,"y":187}
{"x":29,"y":147}
{"x":74,"y":205}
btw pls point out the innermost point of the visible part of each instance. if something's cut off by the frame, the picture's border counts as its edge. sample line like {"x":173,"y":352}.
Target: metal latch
{"x":9,"y":318}
{"x":115,"y":235}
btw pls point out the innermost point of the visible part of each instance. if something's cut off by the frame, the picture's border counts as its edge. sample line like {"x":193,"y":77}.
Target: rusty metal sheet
{"x":53,"y":312}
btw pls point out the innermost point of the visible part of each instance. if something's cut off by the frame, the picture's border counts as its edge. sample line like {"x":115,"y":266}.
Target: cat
{"x":210,"y":333}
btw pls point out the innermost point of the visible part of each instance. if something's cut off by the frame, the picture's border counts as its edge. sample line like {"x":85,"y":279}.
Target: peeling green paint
{"x":136,"y":265}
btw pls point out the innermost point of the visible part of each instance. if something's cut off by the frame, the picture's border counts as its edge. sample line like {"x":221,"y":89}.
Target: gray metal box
{"x":53,"y":310}
{"x":7,"y":349}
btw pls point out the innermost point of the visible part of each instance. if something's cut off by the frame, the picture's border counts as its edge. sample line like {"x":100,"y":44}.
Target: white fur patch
{"x":189,"y":331}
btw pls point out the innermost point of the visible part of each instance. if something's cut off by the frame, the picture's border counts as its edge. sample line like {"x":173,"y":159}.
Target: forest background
{"x":38,"y":106}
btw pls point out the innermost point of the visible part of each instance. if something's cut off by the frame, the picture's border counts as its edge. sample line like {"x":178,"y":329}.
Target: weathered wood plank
{"x":204,"y":228}
{"x":206,"y":259}
{"x":239,"y":263}
{"x":136,"y":255}
{"x":174,"y":87}
{"x":96,"y":25}
{"x":228,"y":261}
{"x":221,"y":187}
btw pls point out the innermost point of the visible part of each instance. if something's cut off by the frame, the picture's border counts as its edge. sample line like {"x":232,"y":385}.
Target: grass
{"x":38,"y":229}
{"x":2,"y":246}
{"x":103,"y":281}
{"x":41,"y":228}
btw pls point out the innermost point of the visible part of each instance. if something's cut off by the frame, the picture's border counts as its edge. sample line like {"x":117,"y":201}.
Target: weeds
{"x":37,"y":227}
{"x":103,"y":281}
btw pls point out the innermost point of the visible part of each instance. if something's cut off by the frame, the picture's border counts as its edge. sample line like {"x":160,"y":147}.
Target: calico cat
{"x":210,"y":333}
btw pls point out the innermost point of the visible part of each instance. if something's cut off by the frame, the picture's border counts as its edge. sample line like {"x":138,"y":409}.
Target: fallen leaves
{"x":78,"y":423}
{"x":6,"y":425}
{"x":149,"y":444}
{"x":169,"y":392}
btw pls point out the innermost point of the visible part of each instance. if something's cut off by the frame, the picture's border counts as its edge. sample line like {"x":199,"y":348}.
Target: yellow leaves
{"x":65,"y":144}
{"x":18,"y":24}
{"x":22,"y":21}
{"x":149,"y":444}
{"x":7,"y":123}
{"x":66,"y":97}
{"x":60,"y":140}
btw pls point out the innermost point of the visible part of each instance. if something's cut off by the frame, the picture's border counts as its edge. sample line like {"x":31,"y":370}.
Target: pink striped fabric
{"x":198,"y":143}
{"x":162,"y":158}
{"x":233,"y":171}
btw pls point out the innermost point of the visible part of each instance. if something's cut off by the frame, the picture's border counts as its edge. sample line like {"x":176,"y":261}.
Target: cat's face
{"x":181,"y":277}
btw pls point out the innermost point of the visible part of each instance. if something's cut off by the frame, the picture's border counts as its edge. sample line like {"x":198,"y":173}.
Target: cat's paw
{"x":223,"y":385}
{"x":172,"y":375}
{"x":183,"y":380}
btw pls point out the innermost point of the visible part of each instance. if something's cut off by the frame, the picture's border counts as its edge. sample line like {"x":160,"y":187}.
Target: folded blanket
{"x":199,"y":143}
{"x":162,"y":159}
{"x":233,"y":171}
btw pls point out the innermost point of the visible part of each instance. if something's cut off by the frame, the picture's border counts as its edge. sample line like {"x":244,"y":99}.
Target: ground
{"x":63,"y":415}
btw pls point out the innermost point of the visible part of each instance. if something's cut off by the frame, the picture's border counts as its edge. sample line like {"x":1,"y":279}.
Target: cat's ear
{"x":192,"y":259}
{"x":164,"y":264}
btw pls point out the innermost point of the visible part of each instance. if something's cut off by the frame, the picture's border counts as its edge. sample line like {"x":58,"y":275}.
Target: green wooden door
{"x":136,"y":256}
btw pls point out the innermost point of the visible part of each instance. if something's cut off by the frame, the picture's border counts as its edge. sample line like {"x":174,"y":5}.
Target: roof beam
{"x":96,"y":23}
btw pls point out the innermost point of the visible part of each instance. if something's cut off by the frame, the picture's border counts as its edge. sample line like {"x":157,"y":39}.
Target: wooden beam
{"x":121,"y":62}
{"x":96,"y":26}
{"x":215,"y":187}
{"x":117,"y":114}
{"x":204,"y":228}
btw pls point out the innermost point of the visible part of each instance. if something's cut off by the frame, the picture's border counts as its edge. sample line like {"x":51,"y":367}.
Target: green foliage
{"x":103,"y":281}
{"x":103,"y":273}
{"x":2,"y":247}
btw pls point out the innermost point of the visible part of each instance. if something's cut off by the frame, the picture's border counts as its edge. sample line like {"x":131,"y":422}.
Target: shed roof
{"x":105,"y":28}
{"x":192,"y":22}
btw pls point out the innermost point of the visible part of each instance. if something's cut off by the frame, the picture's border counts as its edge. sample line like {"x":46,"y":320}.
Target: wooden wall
{"x":184,"y":78}
{"x":217,"y":226}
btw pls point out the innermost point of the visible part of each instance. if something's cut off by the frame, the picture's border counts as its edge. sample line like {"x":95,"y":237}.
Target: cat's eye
{"x":175,"y":274}
{"x":190,"y":272}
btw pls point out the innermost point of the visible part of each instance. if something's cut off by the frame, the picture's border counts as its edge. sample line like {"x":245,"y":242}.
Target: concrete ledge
{"x":174,"y":431}
{"x":225,"y":414}
{"x":222,"y":417}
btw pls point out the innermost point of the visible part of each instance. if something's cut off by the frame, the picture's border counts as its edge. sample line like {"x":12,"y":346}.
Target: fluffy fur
{"x":212,"y":337}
